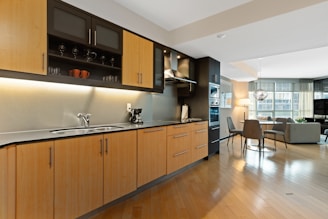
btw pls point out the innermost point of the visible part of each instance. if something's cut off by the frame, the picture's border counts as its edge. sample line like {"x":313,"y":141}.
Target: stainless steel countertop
{"x":9,"y":138}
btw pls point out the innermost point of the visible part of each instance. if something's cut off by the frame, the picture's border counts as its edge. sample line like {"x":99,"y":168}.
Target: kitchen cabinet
{"x":79,"y":40}
{"x":178,"y":147}
{"x":199,"y":139}
{"x":70,"y":23}
{"x":137,"y":61}
{"x":35,"y":178}
{"x":78,"y":175}
{"x":158,"y":68}
{"x":151,"y":154}
{"x":24,"y":36}
{"x":7,"y":181}
{"x":120,"y":164}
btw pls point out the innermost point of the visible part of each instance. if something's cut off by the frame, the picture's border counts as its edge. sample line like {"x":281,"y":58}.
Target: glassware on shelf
{"x":75,"y":51}
{"x":112,"y":62}
{"x":103,"y":59}
{"x":61,"y":49}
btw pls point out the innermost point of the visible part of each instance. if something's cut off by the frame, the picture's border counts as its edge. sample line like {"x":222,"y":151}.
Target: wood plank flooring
{"x":290,"y":183}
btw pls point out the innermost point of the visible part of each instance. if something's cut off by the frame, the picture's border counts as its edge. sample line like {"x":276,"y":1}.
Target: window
{"x":286,"y":98}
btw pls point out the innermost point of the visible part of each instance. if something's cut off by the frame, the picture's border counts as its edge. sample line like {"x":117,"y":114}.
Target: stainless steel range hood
{"x":176,"y":71}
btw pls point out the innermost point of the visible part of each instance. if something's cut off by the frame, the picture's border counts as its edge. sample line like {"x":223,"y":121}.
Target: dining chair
{"x":278,"y":129}
{"x":253,"y":130}
{"x":233,"y":131}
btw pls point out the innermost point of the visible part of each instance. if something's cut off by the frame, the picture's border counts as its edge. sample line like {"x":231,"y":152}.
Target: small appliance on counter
{"x":136,"y":116}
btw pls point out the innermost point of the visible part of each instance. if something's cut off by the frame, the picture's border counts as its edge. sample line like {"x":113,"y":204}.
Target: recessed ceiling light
{"x":221,"y":35}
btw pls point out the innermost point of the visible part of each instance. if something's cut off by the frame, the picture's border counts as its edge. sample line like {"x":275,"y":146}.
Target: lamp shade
{"x":244,"y":102}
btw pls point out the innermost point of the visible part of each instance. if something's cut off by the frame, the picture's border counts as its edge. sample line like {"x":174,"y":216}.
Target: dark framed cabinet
{"x":79,"y":40}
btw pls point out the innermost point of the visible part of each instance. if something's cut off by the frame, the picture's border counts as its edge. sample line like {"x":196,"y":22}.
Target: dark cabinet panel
{"x":158,"y":68}
{"x":68,"y":22}
{"x":73,"y":24}
{"x":214,"y":71}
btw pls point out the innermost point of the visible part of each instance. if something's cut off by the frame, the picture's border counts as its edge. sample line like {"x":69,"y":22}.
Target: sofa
{"x":298,"y":133}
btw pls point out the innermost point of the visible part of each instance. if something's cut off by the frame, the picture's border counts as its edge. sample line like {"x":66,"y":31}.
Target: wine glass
{"x":112,"y":61}
{"x":61,"y":49}
{"x":102,"y":59}
{"x":75,"y":51}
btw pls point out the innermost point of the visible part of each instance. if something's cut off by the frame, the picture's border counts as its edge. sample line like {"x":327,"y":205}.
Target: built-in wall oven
{"x":214,"y":104}
{"x":214,"y":118}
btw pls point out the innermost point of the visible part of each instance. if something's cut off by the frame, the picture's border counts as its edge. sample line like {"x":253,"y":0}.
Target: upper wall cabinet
{"x":70,"y":23}
{"x":158,"y":68}
{"x":24,"y":36}
{"x":138,"y":61}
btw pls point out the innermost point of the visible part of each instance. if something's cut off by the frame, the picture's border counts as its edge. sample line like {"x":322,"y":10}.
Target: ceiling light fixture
{"x":221,"y":35}
{"x":260,"y":94}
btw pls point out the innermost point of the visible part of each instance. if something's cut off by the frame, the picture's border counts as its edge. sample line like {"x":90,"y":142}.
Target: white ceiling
{"x":281,"y":39}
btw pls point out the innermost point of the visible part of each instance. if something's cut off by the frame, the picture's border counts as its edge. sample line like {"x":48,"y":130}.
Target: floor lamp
{"x":244,"y":102}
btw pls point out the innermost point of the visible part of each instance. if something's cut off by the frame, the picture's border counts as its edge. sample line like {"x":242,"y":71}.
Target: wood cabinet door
{"x":137,"y":64}
{"x":120,"y":164}
{"x":78,"y":175}
{"x":35,"y":177}
{"x":146,"y":59}
{"x":151,"y":154}
{"x":199,"y":139}
{"x":130,"y":59}
{"x":7,"y":181}
{"x":23,"y":41}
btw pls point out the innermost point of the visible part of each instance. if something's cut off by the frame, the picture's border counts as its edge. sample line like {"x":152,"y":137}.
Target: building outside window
{"x":286,"y":98}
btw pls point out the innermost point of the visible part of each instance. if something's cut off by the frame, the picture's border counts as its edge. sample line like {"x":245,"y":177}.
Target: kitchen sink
{"x":77,"y":131}
{"x":73,"y":131}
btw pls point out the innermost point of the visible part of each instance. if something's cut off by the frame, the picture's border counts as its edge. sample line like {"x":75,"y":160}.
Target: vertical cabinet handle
{"x":140,"y":78}
{"x":106,"y":150}
{"x":95,"y":39}
{"x":89,"y":36}
{"x":43,"y":62}
{"x":101,"y":146}
{"x":50,"y":157}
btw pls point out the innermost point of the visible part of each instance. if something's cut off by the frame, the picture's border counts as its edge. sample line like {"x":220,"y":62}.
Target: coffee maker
{"x":136,"y":116}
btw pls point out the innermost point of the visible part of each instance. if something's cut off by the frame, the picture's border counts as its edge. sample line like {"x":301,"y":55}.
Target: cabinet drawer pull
{"x":154,"y":130}
{"x":179,"y":126}
{"x":89,"y":36}
{"x":215,"y":141}
{"x":180,"y":136}
{"x":201,"y":146}
{"x":180,"y":153}
{"x":202,"y":130}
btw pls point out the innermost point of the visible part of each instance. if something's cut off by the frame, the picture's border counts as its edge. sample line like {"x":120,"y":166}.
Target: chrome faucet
{"x":84,"y":118}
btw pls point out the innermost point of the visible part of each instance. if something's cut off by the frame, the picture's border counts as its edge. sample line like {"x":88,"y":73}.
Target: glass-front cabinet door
{"x":68,"y":22}
{"x":158,"y":68}
{"x":106,"y":35}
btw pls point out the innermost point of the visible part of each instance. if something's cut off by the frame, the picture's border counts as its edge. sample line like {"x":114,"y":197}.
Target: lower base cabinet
{"x":151,"y":154}
{"x":34,"y":180}
{"x":78,"y":175}
{"x":7,"y":181}
{"x":199,"y":139}
{"x":178,"y":146}
{"x":120,"y":164}
{"x":69,"y":177}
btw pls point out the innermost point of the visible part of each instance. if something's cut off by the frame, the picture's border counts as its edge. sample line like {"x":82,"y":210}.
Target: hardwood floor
{"x":290,"y":183}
